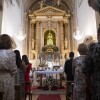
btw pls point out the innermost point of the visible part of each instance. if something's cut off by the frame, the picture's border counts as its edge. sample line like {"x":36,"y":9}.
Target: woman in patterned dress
{"x":79,"y":92}
{"x":8,"y":67}
{"x":19,"y":78}
{"x":93,"y":67}
{"x":27,"y":71}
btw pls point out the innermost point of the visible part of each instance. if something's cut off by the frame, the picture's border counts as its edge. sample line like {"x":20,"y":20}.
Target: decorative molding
{"x":49,"y":11}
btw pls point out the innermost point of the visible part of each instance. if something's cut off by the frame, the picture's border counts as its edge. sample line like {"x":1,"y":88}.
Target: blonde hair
{"x":82,"y":49}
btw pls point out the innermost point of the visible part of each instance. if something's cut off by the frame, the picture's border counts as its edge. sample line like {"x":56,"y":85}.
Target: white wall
{"x":11,"y":21}
{"x":86,"y":20}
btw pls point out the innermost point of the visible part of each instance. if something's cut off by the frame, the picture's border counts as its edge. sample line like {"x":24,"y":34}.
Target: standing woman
{"x":93,"y":67}
{"x":27,"y":71}
{"x":8,"y":67}
{"x":19,"y":78}
{"x":79,"y":92}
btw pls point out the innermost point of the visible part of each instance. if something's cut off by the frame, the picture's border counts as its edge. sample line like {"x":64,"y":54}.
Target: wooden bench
{"x":1,"y":95}
{"x":70,"y":85}
{"x":17,"y":92}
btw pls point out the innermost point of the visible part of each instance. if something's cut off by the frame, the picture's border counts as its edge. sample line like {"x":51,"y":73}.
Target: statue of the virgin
{"x":49,"y":39}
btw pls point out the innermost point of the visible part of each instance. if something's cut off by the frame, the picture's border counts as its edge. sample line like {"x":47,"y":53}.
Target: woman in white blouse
{"x":7,"y":67}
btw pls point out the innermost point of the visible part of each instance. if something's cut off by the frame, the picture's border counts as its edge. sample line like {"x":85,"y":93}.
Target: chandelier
{"x":77,"y":34}
{"x":21,"y":36}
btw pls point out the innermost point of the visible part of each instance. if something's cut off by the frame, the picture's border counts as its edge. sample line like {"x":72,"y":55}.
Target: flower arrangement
{"x":42,"y":63}
{"x":50,"y":81}
{"x":53,"y":47}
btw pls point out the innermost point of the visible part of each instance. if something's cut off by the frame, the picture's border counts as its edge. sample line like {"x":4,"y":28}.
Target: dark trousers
{"x":88,"y":87}
{"x":69,"y":92}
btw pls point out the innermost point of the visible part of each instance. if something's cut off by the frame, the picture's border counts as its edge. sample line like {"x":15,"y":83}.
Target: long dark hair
{"x":18,"y":59}
{"x":98,"y":31}
{"x":25,"y":59}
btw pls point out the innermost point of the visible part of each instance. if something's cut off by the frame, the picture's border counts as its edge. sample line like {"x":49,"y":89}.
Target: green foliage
{"x":50,"y":81}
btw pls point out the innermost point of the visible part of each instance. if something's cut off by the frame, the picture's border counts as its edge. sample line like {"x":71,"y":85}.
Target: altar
{"x":49,"y":72}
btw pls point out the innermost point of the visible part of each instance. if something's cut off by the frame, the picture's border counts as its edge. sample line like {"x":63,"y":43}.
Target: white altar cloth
{"x":49,"y":72}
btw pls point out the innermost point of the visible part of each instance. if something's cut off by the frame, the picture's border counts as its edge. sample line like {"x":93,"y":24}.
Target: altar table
{"x":60,"y":72}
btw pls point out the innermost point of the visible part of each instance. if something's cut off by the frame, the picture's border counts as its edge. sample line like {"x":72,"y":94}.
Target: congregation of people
{"x":13,"y":70}
{"x":83,"y":72}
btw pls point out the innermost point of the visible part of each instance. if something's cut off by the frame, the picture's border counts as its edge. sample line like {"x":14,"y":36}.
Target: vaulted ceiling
{"x":67,"y":5}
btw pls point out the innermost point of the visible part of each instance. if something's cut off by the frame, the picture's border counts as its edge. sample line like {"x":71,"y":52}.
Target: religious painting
{"x":49,"y":2}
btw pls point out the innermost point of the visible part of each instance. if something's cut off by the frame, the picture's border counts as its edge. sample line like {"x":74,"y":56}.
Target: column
{"x":61,"y":39}
{"x":30,"y":40}
{"x":66,"y":36}
{"x":69,"y":36}
{"x":37,"y":38}
{"x":32,"y":36}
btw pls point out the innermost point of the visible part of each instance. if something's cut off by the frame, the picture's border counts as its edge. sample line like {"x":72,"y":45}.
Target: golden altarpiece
{"x":49,"y":34}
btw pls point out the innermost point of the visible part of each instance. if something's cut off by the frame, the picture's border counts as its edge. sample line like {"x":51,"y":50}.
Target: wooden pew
{"x":1,"y":95}
{"x":17,"y":92}
{"x":29,"y":93}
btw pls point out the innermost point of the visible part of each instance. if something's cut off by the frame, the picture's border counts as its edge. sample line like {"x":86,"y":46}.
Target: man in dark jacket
{"x":70,"y":77}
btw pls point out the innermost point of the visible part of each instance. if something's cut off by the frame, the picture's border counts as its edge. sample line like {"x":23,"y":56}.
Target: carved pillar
{"x":66,"y":35}
{"x":32,"y":36}
{"x":69,"y":36}
{"x":61,"y":39}
{"x":30,"y":40}
{"x":37,"y":38}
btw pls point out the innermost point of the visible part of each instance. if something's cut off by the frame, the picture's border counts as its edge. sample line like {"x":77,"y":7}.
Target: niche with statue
{"x":50,"y":52}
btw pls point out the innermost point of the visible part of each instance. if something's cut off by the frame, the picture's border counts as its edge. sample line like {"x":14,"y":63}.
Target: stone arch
{"x":66,"y":4}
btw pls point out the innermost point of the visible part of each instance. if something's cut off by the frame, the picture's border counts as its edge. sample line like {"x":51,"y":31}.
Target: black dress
{"x":93,"y":68}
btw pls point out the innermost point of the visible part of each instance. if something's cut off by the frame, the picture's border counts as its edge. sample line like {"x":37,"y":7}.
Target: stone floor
{"x":34,"y":97}
{"x":62,"y":92}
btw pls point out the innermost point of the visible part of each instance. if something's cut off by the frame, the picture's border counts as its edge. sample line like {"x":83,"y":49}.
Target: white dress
{"x":7,"y":70}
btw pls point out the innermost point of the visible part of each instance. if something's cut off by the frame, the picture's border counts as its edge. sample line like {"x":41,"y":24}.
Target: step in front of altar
{"x":40,"y":91}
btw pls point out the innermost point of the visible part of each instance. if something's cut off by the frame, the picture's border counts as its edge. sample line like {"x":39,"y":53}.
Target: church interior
{"x":47,"y":30}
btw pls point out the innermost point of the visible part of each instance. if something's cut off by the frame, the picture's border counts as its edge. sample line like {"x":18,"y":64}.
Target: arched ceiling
{"x":67,"y":5}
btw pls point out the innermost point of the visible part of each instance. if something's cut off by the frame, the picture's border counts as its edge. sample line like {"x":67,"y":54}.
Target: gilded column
{"x":66,"y":36}
{"x":69,"y":36}
{"x":29,"y":39}
{"x":61,"y":38}
{"x":37,"y":38}
{"x":32,"y":36}
{"x":32,"y":40}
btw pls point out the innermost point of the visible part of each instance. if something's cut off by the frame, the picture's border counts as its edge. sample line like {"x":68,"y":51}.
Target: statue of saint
{"x":66,"y":43}
{"x":50,"y":39}
{"x":41,"y":4}
{"x":33,"y":43}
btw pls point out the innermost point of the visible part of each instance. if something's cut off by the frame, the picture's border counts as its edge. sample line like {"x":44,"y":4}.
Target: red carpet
{"x":49,"y":97}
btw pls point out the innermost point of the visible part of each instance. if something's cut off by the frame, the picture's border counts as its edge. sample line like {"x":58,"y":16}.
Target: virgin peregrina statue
{"x":50,"y":39}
